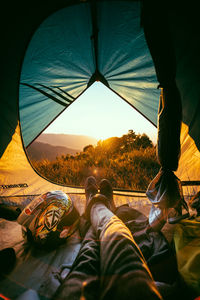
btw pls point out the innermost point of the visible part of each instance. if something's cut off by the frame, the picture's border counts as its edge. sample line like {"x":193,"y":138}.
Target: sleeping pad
{"x":76,"y":267}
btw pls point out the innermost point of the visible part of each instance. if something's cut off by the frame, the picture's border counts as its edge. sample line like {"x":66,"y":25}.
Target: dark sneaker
{"x":91,"y":188}
{"x":175,"y":215}
{"x":106,"y":190}
{"x":159,"y":216}
{"x":194,"y":203}
{"x":178,"y":212}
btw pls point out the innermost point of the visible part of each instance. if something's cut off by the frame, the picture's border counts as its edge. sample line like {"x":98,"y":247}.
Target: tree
{"x":128,"y":140}
{"x":88,"y":148}
{"x":143,"y":141}
{"x":111,"y":145}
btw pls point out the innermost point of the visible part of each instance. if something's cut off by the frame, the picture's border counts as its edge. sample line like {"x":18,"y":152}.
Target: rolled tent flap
{"x":177,"y":63}
{"x":165,"y":190}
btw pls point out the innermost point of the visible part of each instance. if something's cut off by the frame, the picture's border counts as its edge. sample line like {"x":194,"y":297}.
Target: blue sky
{"x":101,"y":114}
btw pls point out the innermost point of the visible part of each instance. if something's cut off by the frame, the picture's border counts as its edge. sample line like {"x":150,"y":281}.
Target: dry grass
{"x":126,"y":165}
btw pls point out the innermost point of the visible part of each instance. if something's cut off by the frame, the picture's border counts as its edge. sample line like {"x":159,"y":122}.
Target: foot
{"x":194,"y":203}
{"x":157,"y":218}
{"x":106,"y":190}
{"x":91,"y":188}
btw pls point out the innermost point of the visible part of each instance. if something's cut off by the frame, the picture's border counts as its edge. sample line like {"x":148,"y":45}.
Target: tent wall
{"x":186,"y":40}
{"x":18,"y":181}
{"x":19,"y":20}
{"x":78,"y":45}
{"x":19,"y":24}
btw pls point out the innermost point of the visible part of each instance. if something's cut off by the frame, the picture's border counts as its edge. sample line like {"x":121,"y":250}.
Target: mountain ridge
{"x":66,"y":140}
{"x":39,"y":151}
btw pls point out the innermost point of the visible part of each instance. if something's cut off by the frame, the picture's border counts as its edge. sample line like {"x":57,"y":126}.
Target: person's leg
{"x":120,"y":264}
{"x":124,"y":272}
{"x":82,"y":283}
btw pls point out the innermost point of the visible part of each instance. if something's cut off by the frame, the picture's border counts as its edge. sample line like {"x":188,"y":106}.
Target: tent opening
{"x":101,"y":135}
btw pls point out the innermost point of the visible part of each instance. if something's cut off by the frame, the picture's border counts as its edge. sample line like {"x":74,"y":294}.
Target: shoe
{"x":178,"y":213}
{"x":159,"y":216}
{"x":168,"y":204}
{"x":107,"y":190}
{"x":99,"y":198}
{"x":194,"y":203}
{"x":91,"y":188}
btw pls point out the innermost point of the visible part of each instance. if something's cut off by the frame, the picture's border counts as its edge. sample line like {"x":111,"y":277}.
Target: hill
{"x":38,"y":151}
{"x":128,"y":162}
{"x":67,"y":140}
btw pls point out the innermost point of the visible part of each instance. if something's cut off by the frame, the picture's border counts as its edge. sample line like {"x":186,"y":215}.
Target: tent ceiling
{"x":76,"y":46}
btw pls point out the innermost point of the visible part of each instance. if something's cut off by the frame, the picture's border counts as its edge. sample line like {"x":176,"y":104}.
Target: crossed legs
{"x":110,"y":265}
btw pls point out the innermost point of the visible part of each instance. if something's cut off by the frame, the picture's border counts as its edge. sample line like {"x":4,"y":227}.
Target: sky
{"x":101,"y":114}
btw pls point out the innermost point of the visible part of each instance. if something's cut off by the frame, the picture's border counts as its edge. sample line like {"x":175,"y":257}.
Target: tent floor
{"x":38,"y":270}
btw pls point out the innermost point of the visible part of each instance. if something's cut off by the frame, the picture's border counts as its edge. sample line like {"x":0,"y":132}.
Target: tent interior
{"x":144,"y":51}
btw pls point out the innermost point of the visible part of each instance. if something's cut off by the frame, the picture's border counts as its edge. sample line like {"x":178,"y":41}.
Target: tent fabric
{"x":55,"y":59}
{"x":22,"y":23}
{"x":187,"y":244}
{"x":185,"y":35}
{"x":17,"y":177}
{"x":190,"y":157}
{"x":63,"y":56}
{"x":113,"y":50}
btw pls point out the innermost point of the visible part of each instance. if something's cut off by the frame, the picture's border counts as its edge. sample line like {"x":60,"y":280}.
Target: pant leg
{"x":124,"y":272}
{"x":82,"y":283}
